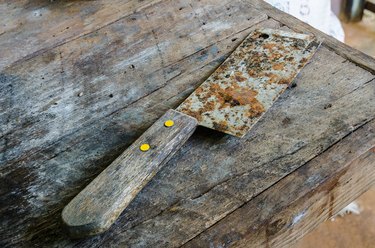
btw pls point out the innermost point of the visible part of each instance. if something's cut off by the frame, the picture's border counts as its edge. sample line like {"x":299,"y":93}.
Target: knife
{"x":231,"y":100}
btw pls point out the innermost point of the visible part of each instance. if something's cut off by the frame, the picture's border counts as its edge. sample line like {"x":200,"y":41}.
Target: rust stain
{"x":239,"y":77}
{"x":272,"y":78}
{"x":222,"y":125}
{"x":279,"y":66}
{"x":269,"y":46}
{"x":235,"y":96}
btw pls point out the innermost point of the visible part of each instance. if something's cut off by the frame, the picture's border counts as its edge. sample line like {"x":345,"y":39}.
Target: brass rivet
{"x":168,"y":123}
{"x":144,"y":147}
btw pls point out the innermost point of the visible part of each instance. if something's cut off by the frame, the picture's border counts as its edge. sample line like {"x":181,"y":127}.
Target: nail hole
{"x":327,"y":106}
{"x":110,"y":95}
{"x":264,"y":36}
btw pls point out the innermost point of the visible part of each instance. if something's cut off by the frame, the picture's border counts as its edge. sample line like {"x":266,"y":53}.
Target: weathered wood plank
{"x":291,"y":208}
{"x":30,"y":28}
{"x":363,"y":60}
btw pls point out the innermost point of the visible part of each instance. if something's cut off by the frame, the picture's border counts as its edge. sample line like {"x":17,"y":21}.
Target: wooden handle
{"x":98,"y":205}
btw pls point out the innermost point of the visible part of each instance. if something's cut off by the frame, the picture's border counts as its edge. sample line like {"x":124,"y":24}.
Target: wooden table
{"x":81,"y":80}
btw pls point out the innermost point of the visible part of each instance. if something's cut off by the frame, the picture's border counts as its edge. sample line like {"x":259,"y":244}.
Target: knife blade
{"x":231,"y":100}
{"x":245,"y":86}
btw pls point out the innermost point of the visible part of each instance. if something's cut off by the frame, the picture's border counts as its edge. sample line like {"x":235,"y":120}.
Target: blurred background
{"x":353,"y":230}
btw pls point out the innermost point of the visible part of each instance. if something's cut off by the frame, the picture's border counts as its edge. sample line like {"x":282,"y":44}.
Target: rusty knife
{"x":231,"y":100}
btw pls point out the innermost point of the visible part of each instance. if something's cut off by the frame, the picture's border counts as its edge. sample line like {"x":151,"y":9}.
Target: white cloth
{"x":317,"y":13}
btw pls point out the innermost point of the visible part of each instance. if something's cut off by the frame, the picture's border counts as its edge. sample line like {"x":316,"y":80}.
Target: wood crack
{"x":47,"y":146}
{"x":160,"y":53}
{"x":317,"y":155}
{"x":139,"y":99}
{"x":244,"y":201}
{"x":221,"y":175}
{"x":357,"y":88}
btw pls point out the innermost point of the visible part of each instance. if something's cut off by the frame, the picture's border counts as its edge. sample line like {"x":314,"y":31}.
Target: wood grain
{"x":98,"y":205}
{"x":56,"y":140}
{"x":112,"y":68}
{"x":361,"y":59}
{"x":39,"y":26}
{"x":293,"y":206}
{"x":299,"y":127}
{"x":66,"y":153}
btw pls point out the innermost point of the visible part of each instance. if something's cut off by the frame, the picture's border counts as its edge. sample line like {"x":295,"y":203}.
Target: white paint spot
{"x":37,"y":14}
{"x":298,"y":217}
{"x":217,"y":26}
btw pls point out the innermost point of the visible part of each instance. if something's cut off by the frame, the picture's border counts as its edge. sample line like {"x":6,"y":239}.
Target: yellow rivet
{"x":144,"y":147}
{"x":169,"y":123}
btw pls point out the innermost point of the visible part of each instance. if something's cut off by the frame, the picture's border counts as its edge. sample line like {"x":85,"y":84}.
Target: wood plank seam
{"x":246,"y":201}
{"x":357,"y":88}
{"x":190,"y":54}
{"x":210,"y":45}
{"x":15,"y":160}
{"x":203,"y":188}
{"x":295,"y":151}
{"x":327,"y":180}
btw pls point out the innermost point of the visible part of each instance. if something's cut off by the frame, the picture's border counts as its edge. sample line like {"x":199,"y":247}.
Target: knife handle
{"x":98,"y":205}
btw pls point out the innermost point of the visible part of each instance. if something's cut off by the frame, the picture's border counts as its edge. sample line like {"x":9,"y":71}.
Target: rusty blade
{"x":250,"y":80}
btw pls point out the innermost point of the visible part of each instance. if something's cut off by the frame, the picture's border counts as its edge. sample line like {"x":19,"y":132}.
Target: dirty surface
{"x":245,"y":86}
{"x":351,"y":230}
{"x":55,"y":142}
